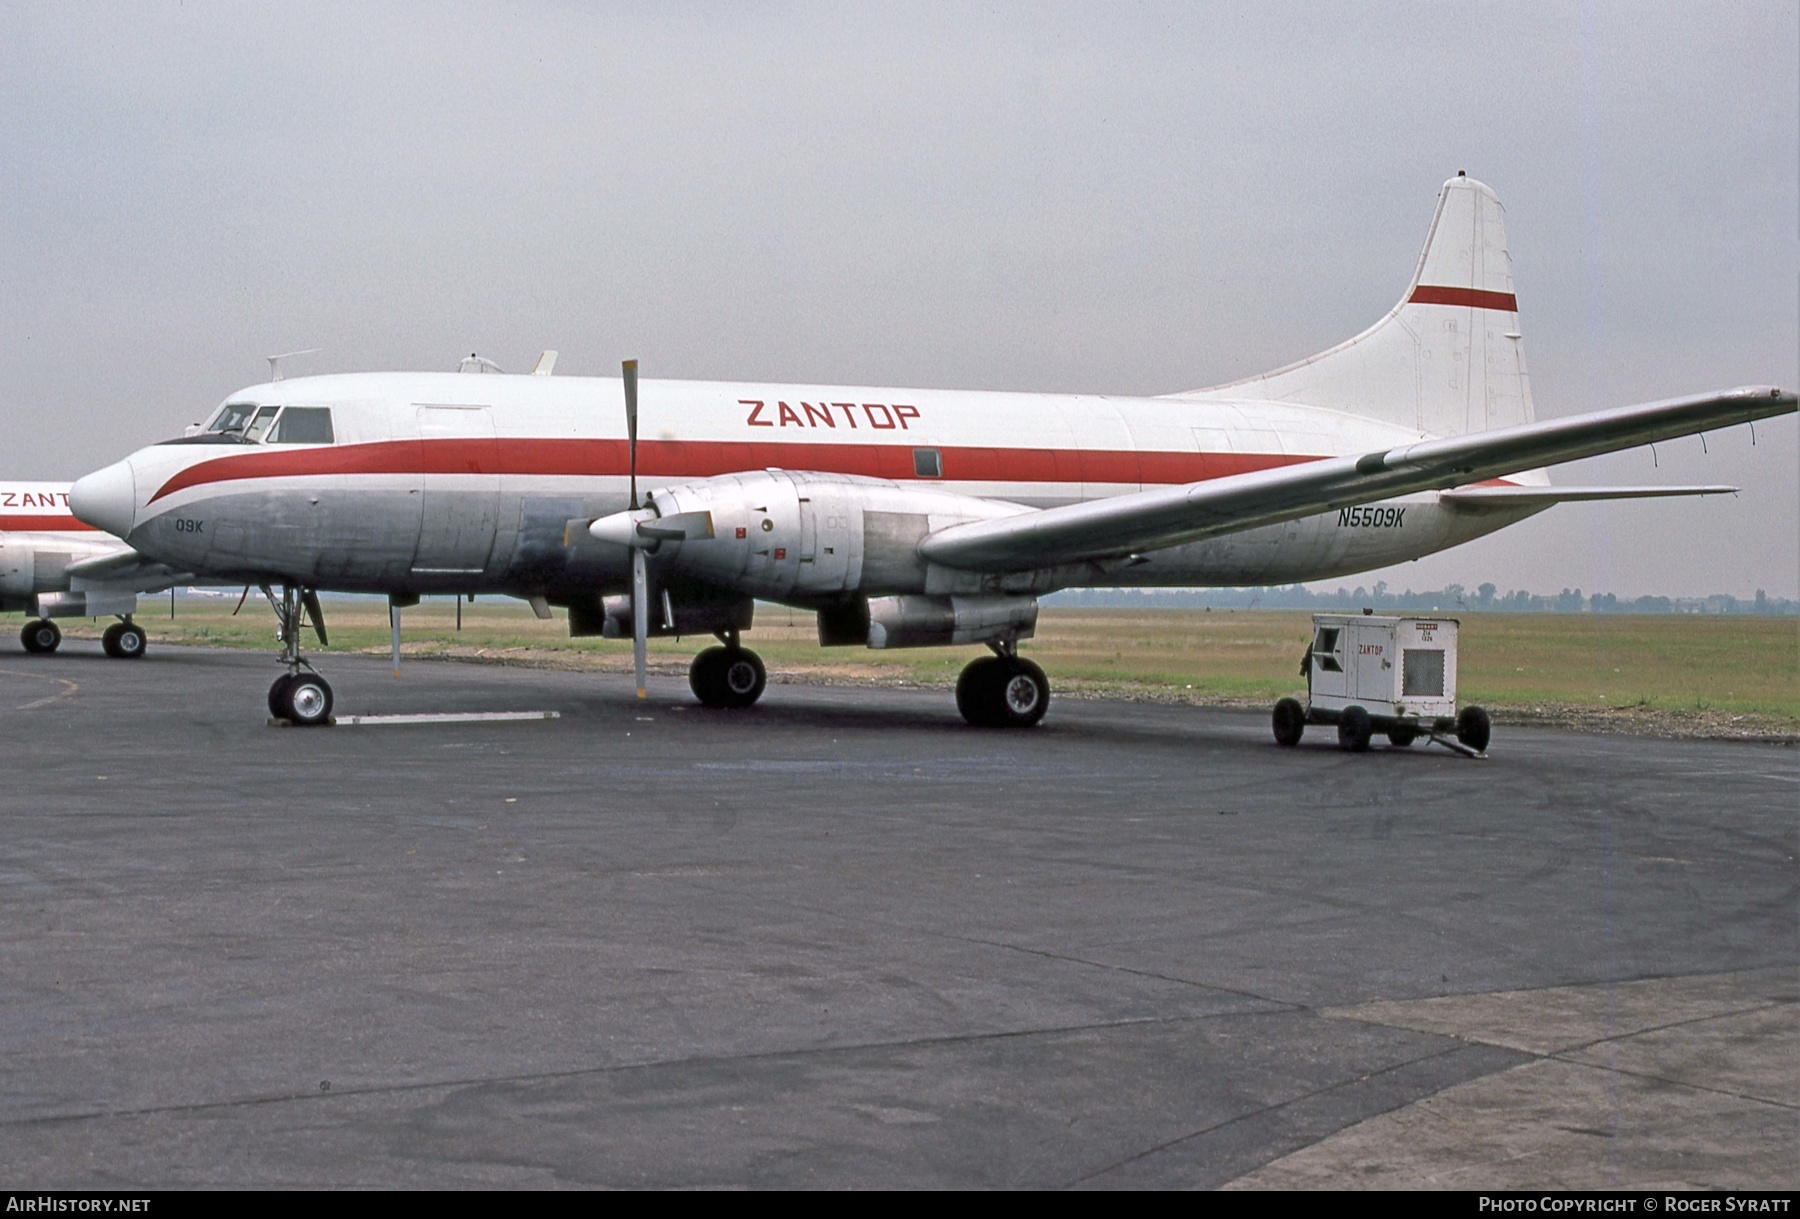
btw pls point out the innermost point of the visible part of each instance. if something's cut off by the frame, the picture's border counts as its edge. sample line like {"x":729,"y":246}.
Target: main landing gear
{"x":41,"y":636}
{"x":299,"y":696}
{"x":1003,"y":690}
{"x":123,"y":640}
{"x":728,"y":676}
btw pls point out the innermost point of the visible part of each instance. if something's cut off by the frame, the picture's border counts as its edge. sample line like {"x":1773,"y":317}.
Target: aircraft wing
{"x":1169,"y":516}
{"x":125,"y":568}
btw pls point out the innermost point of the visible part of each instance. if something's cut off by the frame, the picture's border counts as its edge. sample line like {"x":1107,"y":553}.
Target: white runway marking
{"x":447,"y":717}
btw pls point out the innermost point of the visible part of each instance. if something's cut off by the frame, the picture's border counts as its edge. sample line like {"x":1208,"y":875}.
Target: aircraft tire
{"x":41,"y":635}
{"x":1473,"y":728}
{"x":306,"y":701}
{"x":1022,"y":693}
{"x":1002,"y":692}
{"x":276,"y":692}
{"x":742,"y":677}
{"x":1354,"y":729}
{"x":731,"y":678}
{"x":124,"y":641}
{"x":975,"y":690}
{"x":1289,"y":722}
{"x":703,"y":677}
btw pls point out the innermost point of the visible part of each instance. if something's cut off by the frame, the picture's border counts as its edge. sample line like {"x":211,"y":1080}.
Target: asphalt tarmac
{"x":844,"y":940}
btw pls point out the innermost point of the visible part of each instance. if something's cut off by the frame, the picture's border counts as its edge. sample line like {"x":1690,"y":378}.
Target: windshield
{"x":233,"y":417}
{"x":259,"y":422}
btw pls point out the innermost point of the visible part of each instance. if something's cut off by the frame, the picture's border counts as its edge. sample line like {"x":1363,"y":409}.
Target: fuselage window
{"x":303,"y":425}
{"x":232,"y":417}
{"x":928,"y":463}
{"x":259,"y":423}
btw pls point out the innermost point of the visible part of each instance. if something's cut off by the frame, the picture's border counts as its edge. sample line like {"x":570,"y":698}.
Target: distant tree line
{"x":1438,"y":600}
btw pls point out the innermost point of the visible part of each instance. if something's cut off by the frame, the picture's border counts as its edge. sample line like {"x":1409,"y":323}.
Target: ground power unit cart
{"x":1370,"y":673}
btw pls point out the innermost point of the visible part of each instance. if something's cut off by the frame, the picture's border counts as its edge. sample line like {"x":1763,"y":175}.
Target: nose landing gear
{"x":299,"y":696}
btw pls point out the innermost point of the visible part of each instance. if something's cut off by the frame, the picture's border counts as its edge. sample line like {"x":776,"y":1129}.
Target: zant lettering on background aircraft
{"x":901,"y":517}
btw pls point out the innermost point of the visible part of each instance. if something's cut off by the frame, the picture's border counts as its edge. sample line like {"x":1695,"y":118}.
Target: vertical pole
{"x":171,"y":603}
{"x":459,"y":611}
{"x":394,"y":625}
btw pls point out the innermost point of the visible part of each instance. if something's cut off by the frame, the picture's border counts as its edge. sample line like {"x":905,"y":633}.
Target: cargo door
{"x":459,"y":490}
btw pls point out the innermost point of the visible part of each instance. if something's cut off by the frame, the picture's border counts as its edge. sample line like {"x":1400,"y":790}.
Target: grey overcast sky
{"x":1128,"y":198}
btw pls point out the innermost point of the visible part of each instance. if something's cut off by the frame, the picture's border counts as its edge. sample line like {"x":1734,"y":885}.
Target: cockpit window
{"x":233,"y":417}
{"x":259,"y":423}
{"x":303,"y":425}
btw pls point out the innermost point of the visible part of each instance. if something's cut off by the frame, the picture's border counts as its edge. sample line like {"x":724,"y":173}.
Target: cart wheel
{"x":1473,"y":728}
{"x":1290,"y":722}
{"x":1354,"y":729}
{"x":1400,"y":738}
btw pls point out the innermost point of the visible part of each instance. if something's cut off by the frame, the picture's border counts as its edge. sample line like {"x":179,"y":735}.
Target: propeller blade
{"x":628,"y":371}
{"x":640,"y":617}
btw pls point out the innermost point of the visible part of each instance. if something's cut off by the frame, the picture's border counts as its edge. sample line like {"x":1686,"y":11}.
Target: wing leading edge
{"x":1169,"y":516}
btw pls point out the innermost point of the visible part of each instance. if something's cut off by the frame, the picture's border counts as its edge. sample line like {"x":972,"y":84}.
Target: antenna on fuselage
{"x":475,"y":363}
{"x":275,"y":361}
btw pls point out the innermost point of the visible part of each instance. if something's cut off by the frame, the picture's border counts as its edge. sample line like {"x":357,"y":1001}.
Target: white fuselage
{"x":39,"y":538}
{"x":444,"y":482}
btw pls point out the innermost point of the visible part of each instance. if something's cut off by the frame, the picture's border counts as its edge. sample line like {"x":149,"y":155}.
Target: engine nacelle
{"x":922,"y":622}
{"x":799,"y":537}
{"x":91,"y":603}
{"x":34,"y":576}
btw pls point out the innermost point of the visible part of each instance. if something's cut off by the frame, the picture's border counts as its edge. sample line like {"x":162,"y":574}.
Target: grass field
{"x":1712,"y":665}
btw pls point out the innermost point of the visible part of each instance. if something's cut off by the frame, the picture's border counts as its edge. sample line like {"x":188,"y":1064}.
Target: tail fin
{"x":1448,"y":359}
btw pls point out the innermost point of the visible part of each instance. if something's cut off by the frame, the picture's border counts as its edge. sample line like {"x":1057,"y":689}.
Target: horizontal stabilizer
{"x":1170,"y":516}
{"x":1477,"y":498}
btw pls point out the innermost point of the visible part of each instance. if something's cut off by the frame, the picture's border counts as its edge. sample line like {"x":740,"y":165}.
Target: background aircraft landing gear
{"x":124,"y":640}
{"x":1002,"y":691}
{"x":728,"y":676}
{"x":41,"y":635}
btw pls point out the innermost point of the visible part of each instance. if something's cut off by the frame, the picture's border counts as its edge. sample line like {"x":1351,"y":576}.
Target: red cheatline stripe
{"x":44,"y":524}
{"x":686,"y":459}
{"x":1473,"y":298}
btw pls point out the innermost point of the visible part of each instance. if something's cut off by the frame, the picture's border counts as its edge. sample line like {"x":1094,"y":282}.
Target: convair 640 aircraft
{"x":903,"y":517}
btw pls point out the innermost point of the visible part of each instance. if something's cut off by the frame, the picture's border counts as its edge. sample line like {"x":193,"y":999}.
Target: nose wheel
{"x":302,"y":699}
